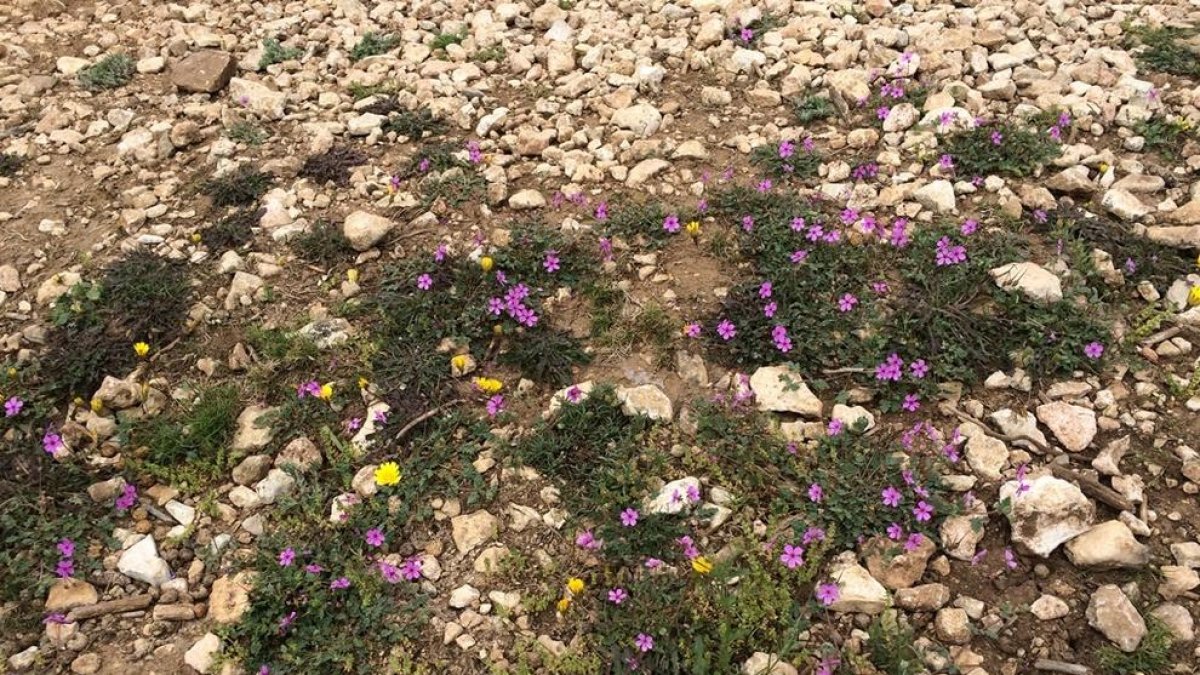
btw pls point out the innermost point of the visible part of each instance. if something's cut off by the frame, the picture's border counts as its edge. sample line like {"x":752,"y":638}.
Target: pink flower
{"x":912,"y":403}
{"x":918,"y":368}
{"x":764,"y":291}
{"x":424,"y":282}
{"x":894,"y":531}
{"x":792,"y":556}
{"x":551,"y":263}
{"x":671,"y":223}
{"x":340,"y":583}
{"x":913,"y":542}
{"x":602,"y":211}
{"x":52,"y":443}
{"x":286,"y":557}
{"x":375,"y":537}
{"x":835,"y":427}
{"x":815,"y":493}
{"x":617,"y":596}
{"x":495,"y":405}
{"x":644,"y":642}
{"x":66,"y":547}
{"x":847,"y":302}
{"x":799,"y":256}
{"x":588,"y":541}
{"x":411,"y":569}
{"x":1094,"y":350}
{"x":891,"y":497}
{"x":923,"y":511}
{"x":629,"y":517}
{"x":828,"y":594}
{"x":692,"y":330}
{"x":726,"y":330}
{"x":127,"y":498}
{"x":13,"y":406}
{"x":1010,"y":559}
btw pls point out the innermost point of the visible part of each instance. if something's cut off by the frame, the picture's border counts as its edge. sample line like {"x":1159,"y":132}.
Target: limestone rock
{"x":1035,"y":281}
{"x":1051,"y":512}
{"x":473,"y":529}
{"x":364,"y":229}
{"x":205,"y":72}
{"x":203,"y":653}
{"x":1109,"y":545}
{"x":1074,"y":426}
{"x":1111,"y":613}
{"x":648,"y":400}
{"x":778,"y":389}
{"x":141,"y":562}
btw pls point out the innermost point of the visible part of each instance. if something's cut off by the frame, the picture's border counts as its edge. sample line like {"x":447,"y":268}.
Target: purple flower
{"x":978,"y":557}
{"x":882,"y":112}
{"x":52,"y":443}
{"x":726,"y":330}
{"x":574,"y":394}
{"x":629,"y":517}
{"x":835,"y":427}
{"x":1094,"y":350}
{"x":808,"y":144}
{"x":313,"y":568}
{"x":764,"y":291}
{"x":918,"y":368}
{"x":66,"y":547}
{"x":127,"y":498}
{"x":812,"y":535}
{"x":671,"y":223}
{"x":602,"y":211}
{"x":815,"y":493}
{"x":440,"y":253}
{"x":375,"y":537}
{"x":923,"y":511}
{"x":949,"y":254}
{"x":423,"y":165}
{"x":891,"y":497}
{"x":913,"y":542}
{"x":786,"y":149}
{"x":847,"y":302}
{"x":495,"y":405}
{"x":380,"y":417}
{"x":799,"y":256}
{"x":286,"y":557}
{"x":912,"y":403}
{"x":411,"y":569}
{"x":424,"y":282}
{"x":341,"y":583}
{"x":1010,"y":559}
{"x":551,"y":263}
{"x":894,"y":531}
{"x":644,"y":642}
{"x":997,"y":138}
{"x":792,"y":556}
{"x":587,"y":541}
{"x":828,"y":594}
{"x":798,"y":224}
{"x":770,"y":308}
{"x":286,"y":622}
{"x":747,"y":223}
{"x":13,"y":406}
{"x":891,"y":369}
{"x":473,"y":153}
{"x":946,"y":162}
{"x":617,"y":595}
{"x":652,"y":563}
{"x":65,"y":568}
{"x":390,"y":572}
{"x":747,"y":35}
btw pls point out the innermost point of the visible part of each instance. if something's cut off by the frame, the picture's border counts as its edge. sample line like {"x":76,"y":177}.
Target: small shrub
{"x":9,"y":164}
{"x":323,"y":243}
{"x":642,"y":222}
{"x":443,"y":40}
{"x":274,"y":52}
{"x":1019,"y":152}
{"x":240,"y":187}
{"x":1166,"y":137}
{"x":786,"y":160}
{"x":110,"y":72}
{"x":190,"y":447}
{"x":414,"y":124}
{"x":495,"y":52}
{"x":891,"y":647}
{"x":247,"y":132}
{"x":1166,"y":50}
{"x":232,"y":232}
{"x":546,"y":356}
{"x":333,"y":166}
{"x":360,"y":91}
{"x":812,"y":108}
{"x":373,"y":44}
{"x":455,"y":187}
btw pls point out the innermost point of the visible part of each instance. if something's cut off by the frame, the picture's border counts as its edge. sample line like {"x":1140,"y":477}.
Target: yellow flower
{"x":326,"y":391}
{"x":195,"y":237}
{"x":563,"y":605}
{"x":97,"y":405}
{"x":459,"y":362}
{"x":488,"y":385}
{"x":1194,"y":296}
{"x":141,"y":349}
{"x":12,"y":372}
{"x":363,"y":382}
{"x":1103,"y":168}
{"x":575,"y":585}
{"x":693,"y":227}
{"x":702,"y":565}
{"x":388,"y":473}
{"x":352,"y":275}
{"x":486,"y":263}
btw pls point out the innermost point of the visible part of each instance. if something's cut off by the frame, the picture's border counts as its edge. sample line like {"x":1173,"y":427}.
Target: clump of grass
{"x":240,"y":187}
{"x":323,"y":243}
{"x":546,"y":356}
{"x":189,"y":447}
{"x":455,"y":187}
{"x":140,"y":298}
{"x":643,"y":222}
{"x":274,"y":52}
{"x":1136,"y":257}
{"x":1166,"y":137}
{"x":9,"y":164}
{"x":247,"y":132}
{"x":360,"y":91}
{"x":333,"y":166}
{"x":812,"y":108}
{"x":443,"y":40}
{"x":649,"y":326}
{"x":110,"y":72}
{"x":1019,"y":152}
{"x":414,"y":124}
{"x":891,"y":646}
{"x":1153,"y":655}
{"x":233,"y":231}
{"x":373,"y":44}
{"x":494,"y":52}
{"x":1166,"y":50}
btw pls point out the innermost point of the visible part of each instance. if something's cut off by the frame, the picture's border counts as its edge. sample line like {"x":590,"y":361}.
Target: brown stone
{"x":205,"y":72}
{"x":70,"y":593}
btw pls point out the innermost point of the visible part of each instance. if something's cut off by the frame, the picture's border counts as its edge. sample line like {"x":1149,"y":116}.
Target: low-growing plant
{"x":414,"y":124}
{"x":1001,"y":148}
{"x":274,"y":52}
{"x":812,"y":108}
{"x":786,"y":160}
{"x":189,"y":447}
{"x":323,"y":243}
{"x":493,"y":52}
{"x":110,"y":72}
{"x":9,"y":164}
{"x":247,"y":132}
{"x":1165,"y":50}
{"x":443,"y":40}
{"x":547,"y":356}
{"x":891,"y":646}
{"x":360,"y":91}
{"x":240,"y":187}
{"x":1166,"y":136}
{"x":1153,"y":654}
{"x":233,"y":231}
{"x":333,"y":165}
{"x":373,"y":44}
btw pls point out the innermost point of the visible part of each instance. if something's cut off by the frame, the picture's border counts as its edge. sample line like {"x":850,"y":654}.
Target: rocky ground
{"x":708,"y":336}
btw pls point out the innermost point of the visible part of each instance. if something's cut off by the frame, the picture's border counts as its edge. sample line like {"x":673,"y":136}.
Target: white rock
{"x":1074,"y":426}
{"x":1123,"y":205}
{"x":1111,"y":613}
{"x":642,"y":119}
{"x":1031,"y":279}
{"x":1049,"y":608}
{"x":473,"y":529}
{"x":1051,"y":512}
{"x":525,"y":200}
{"x":141,"y":562}
{"x":762,"y":663}
{"x":779,"y":389}
{"x":673,"y":497}
{"x":257,"y":97}
{"x":277,"y":484}
{"x":937,"y":196}
{"x":851,"y":415}
{"x":364,"y":229}
{"x":648,"y":400}
{"x":858,"y":591}
{"x":987,"y":455}
{"x":203,"y":654}
{"x":1109,"y":545}
{"x":464,"y":596}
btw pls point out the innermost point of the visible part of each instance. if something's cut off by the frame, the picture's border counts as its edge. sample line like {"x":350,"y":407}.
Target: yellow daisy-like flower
{"x":388,"y":473}
{"x":459,"y":362}
{"x":141,"y":349}
{"x":486,"y":263}
{"x":575,"y":585}
{"x":488,"y":385}
{"x":363,"y":382}
{"x":12,"y":372}
{"x":692,"y":228}
{"x":702,"y":565}
{"x":352,"y":275}
{"x":1103,"y":168}
{"x":563,"y":605}
{"x":326,"y":391}
{"x":1194,"y":296}
{"x":96,"y":405}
